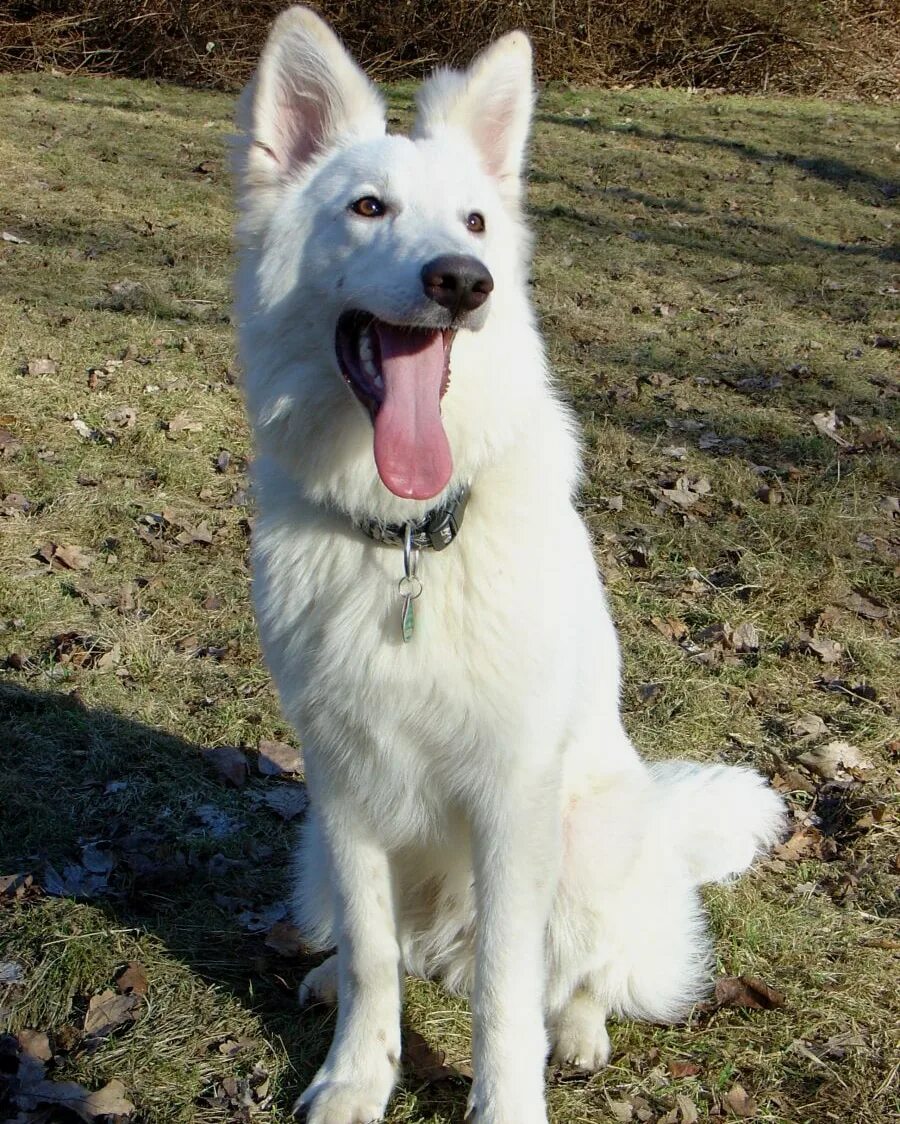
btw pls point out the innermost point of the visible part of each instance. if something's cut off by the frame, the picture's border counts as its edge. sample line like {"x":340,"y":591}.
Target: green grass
{"x":711,"y":272}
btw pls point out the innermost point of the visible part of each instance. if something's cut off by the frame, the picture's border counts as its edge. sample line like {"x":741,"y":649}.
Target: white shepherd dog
{"x":477,"y":811}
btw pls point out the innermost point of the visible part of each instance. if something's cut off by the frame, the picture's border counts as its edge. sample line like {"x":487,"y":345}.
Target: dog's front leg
{"x":516,"y":855}
{"x":356,"y":1079}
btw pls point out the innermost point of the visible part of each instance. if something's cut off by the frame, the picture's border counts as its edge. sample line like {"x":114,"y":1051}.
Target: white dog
{"x":477,"y":810}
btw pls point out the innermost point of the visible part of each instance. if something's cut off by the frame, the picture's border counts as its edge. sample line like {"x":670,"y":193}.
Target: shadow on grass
{"x":189,"y":857}
{"x":829,"y":169}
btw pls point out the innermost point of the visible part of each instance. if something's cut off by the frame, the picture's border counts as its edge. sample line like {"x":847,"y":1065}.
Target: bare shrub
{"x":850,"y":47}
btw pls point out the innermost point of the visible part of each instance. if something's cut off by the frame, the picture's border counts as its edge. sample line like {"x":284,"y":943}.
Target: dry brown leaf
{"x":183,"y":423}
{"x":837,"y":760}
{"x":679,"y":1067}
{"x":427,"y":1064}
{"x":744,"y":638}
{"x":276,"y":758}
{"x":687,"y":1109}
{"x":670,"y":627}
{"x":110,"y":1101}
{"x":808,"y":726}
{"x":826,"y":423}
{"x":35,"y":1044}
{"x":125,"y":417}
{"x":63,"y":556}
{"x":739,"y":1103}
{"x":621,"y":1111}
{"x":287,"y":801}
{"x":864,"y":607}
{"x":285,"y":938}
{"x":132,"y":980}
{"x":746,"y":991}
{"x":229,"y":762}
{"x":807,"y":842}
{"x":828,"y":651}
{"x":108,"y":1012}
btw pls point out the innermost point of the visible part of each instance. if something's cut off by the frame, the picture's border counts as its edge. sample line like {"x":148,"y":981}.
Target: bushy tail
{"x":721,"y":817}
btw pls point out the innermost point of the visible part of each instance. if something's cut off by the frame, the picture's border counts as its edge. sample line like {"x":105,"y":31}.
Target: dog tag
{"x":408,"y":617}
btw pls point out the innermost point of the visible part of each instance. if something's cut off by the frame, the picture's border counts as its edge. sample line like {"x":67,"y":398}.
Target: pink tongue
{"x":412,"y":453}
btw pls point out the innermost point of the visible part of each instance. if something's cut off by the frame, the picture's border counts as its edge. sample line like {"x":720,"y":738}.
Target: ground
{"x":716,"y":281}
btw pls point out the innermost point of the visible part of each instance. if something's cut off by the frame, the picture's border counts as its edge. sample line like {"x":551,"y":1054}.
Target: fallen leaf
{"x":63,"y":556}
{"x":744,"y":638}
{"x":125,"y":417}
{"x":42,"y":367}
{"x":199,"y":534}
{"x":808,"y":726}
{"x":670,"y":627}
{"x":14,"y":503}
{"x":35,"y":1044}
{"x":837,"y":760}
{"x":740,"y":1103}
{"x":223,"y":460}
{"x":864,"y":607}
{"x":110,"y":1101}
{"x":679,"y":1067}
{"x":262,"y":920}
{"x":276,"y":758}
{"x":182,"y":423}
{"x":74,"y":649}
{"x":212,"y":603}
{"x":229,"y":762}
{"x":287,"y":801}
{"x":15,"y":885}
{"x":828,"y":651}
{"x":108,"y":1012}
{"x":11,"y":973}
{"x":807,"y":842}
{"x":826,"y":423}
{"x":688,"y":1113}
{"x":746,"y":991}
{"x":132,"y":980}
{"x":427,"y":1064}
{"x":621,"y":1111}
{"x":285,"y":938}
{"x":9,"y":443}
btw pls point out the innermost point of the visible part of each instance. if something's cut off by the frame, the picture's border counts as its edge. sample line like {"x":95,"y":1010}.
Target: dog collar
{"x":434,"y":531}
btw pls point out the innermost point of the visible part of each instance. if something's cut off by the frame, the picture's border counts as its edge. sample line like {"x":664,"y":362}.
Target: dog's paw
{"x":580,"y":1038}
{"x":338,"y":1103}
{"x":320,"y":985}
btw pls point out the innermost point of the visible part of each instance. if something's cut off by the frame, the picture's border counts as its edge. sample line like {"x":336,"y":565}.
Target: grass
{"x":712,"y":272}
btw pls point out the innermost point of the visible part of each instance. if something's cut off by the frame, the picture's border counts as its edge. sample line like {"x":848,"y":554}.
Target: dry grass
{"x":711,"y":272}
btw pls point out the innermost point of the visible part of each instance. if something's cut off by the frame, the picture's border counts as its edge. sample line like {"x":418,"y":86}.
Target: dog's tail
{"x":720,"y":817}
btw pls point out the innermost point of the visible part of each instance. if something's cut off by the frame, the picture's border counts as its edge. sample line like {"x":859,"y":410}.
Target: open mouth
{"x":400,"y":374}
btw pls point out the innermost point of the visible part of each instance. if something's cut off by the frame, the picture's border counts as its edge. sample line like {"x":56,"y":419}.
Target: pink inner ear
{"x":299,"y":125}
{"x":492,"y":136}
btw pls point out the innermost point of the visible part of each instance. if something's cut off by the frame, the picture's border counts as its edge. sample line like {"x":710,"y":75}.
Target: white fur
{"x":478,"y":812}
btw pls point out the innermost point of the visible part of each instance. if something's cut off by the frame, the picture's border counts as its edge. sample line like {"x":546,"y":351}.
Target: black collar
{"x":434,"y":531}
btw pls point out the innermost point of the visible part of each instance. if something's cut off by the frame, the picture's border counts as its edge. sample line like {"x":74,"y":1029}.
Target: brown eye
{"x":370,"y":207}
{"x":475,"y":222}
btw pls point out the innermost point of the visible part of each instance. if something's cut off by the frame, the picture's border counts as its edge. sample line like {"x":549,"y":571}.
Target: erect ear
{"x":306,"y":91}
{"x":491,"y":102}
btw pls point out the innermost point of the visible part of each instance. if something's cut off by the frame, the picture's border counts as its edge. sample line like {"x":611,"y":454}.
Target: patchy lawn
{"x":716,"y":279}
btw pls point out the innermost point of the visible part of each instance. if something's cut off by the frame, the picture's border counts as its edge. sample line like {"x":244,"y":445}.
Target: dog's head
{"x":373,"y":262}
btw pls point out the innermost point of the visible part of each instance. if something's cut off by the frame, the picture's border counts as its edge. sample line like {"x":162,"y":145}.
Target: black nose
{"x":457,"y":281}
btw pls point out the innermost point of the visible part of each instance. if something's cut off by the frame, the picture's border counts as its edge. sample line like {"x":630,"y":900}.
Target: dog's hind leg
{"x":320,"y":984}
{"x":578,"y":1033}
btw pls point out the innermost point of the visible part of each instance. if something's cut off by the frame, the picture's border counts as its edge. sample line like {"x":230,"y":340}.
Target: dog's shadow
{"x":193,"y":861}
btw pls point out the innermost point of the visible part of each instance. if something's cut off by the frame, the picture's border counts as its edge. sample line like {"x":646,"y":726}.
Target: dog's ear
{"x":306,"y":90}
{"x":491,"y":102}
